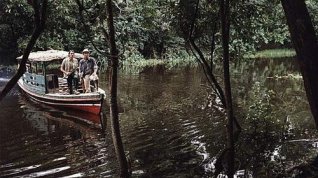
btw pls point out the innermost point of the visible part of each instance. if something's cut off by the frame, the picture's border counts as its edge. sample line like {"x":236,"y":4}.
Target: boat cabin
{"x":43,"y":73}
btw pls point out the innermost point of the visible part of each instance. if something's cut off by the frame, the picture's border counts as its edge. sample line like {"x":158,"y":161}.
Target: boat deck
{"x":62,"y":89}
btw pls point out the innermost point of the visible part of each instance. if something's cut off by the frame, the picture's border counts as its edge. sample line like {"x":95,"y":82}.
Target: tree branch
{"x":206,"y":67}
{"x":86,"y":29}
{"x":210,"y":76}
{"x":40,"y":19}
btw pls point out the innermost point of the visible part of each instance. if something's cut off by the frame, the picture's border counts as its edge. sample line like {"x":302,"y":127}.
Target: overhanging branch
{"x":40,"y":19}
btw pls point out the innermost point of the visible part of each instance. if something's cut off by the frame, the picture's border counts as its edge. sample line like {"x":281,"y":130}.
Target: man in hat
{"x":69,"y":68}
{"x":87,"y":68}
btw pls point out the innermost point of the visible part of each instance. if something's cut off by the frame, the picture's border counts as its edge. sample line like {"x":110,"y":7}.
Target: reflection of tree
{"x":167,"y":116}
{"x":261,"y":131}
{"x":50,"y":143}
{"x":273,"y":103}
{"x":286,"y":91}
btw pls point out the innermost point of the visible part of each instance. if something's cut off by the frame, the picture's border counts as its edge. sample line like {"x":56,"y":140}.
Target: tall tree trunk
{"x":113,"y":96}
{"x":225,"y":23}
{"x":40,"y":19}
{"x":305,"y":43}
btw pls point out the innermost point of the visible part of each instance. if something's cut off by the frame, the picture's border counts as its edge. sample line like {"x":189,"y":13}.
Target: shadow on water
{"x":172,"y":126}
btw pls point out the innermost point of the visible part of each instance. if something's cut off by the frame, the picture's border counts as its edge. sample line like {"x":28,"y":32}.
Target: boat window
{"x":36,"y":68}
{"x":28,"y":68}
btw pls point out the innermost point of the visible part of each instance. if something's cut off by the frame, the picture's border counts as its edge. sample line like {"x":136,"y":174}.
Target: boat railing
{"x":51,"y":83}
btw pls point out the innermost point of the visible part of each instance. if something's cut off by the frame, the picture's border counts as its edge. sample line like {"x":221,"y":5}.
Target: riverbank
{"x":135,"y":63}
{"x":272,"y":53}
{"x":181,"y":59}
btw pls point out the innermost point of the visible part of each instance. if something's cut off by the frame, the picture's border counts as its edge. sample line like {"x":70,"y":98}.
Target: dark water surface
{"x":172,"y":126}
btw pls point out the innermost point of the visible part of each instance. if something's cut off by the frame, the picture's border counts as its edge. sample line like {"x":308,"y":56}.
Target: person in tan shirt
{"x":69,"y":68}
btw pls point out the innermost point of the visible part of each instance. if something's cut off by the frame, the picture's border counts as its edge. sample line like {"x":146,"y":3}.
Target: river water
{"x":172,"y":126}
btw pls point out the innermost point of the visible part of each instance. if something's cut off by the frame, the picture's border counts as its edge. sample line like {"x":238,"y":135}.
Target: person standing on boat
{"x":88,"y":69}
{"x":69,"y":68}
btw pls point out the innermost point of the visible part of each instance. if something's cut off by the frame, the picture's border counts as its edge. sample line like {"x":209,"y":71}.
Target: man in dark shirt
{"x":87,"y":68}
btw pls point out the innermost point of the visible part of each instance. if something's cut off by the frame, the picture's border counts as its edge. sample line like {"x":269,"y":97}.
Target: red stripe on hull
{"x":90,"y":109}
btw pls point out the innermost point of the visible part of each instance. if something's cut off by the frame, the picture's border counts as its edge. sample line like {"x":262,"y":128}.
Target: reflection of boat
{"x":42,"y":114}
{"x":47,"y":88}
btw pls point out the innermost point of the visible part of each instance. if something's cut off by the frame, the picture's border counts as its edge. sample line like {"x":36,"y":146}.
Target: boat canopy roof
{"x":49,"y":55}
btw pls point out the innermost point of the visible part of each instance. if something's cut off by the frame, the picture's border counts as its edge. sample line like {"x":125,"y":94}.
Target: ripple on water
{"x":174,"y":143}
{"x":36,"y":158}
{"x":38,"y":142}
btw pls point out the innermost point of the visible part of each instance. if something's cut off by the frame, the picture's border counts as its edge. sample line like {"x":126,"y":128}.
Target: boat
{"x":43,"y":82}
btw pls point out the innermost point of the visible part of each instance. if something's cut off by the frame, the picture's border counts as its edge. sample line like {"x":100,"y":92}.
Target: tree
{"x":224,"y":95}
{"x":39,"y":7}
{"x":113,"y":95}
{"x":306,"y":46}
{"x":98,"y":16}
{"x":225,"y":26}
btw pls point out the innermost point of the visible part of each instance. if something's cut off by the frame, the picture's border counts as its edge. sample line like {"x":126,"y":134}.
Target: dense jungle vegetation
{"x":146,"y":29}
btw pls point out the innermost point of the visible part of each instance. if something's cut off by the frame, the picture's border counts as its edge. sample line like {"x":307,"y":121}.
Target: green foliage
{"x":260,"y":112}
{"x":15,"y":22}
{"x":258,"y":23}
{"x":135,"y":62}
{"x":150,"y":28}
{"x":205,"y":25}
{"x":254,"y":25}
{"x":179,"y":59}
{"x":260,"y":129}
{"x":272,"y":53}
{"x":146,"y":26}
{"x":60,"y":32}
{"x":313,"y":12}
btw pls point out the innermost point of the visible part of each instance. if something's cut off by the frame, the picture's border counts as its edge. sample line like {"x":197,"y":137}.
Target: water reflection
{"x":176,"y":114}
{"x":172,"y":126}
{"x":40,"y":141}
{"x":162,"y":122}
{"x":275,"y":112}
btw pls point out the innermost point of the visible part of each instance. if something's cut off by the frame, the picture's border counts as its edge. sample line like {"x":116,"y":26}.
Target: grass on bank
{"x":180,"y":59}
{"x":272,"y":53}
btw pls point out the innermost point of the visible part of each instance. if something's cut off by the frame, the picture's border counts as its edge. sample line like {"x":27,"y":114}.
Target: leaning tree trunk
{"x":39,"y":18}
{"x":305,"y":43}
{"x":113,"y":96}
{"x":225,"y":23}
